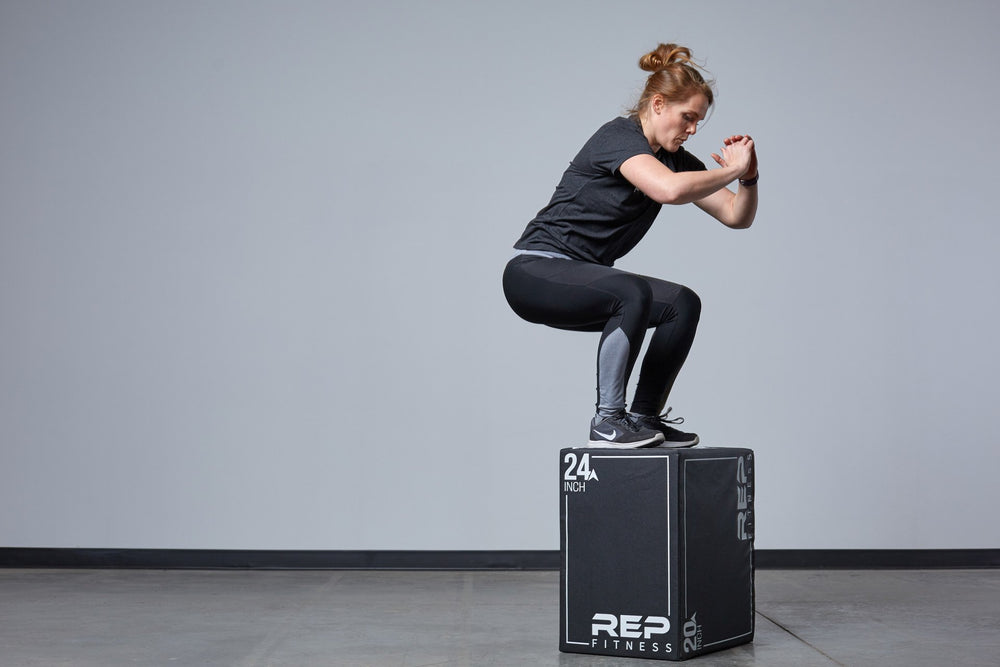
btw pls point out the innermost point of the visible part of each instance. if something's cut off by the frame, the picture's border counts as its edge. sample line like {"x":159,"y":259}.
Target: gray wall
{"x":250,"y":259}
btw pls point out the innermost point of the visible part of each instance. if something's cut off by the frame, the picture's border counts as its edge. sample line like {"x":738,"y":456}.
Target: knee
{"x":688,"y":304}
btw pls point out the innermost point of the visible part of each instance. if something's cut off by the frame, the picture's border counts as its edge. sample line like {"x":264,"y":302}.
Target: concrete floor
{"x":406,"y":619}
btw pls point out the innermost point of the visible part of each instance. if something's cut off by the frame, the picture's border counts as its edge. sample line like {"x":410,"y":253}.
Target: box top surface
{"x":688,"y":452}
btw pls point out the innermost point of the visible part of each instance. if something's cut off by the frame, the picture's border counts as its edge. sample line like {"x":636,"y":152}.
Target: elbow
{"x":740,"y":224}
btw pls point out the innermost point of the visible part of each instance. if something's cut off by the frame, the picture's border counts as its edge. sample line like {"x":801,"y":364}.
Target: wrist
{"x":749,"y":181}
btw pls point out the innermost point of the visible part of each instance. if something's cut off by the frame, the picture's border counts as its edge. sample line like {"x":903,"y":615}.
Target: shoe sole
{"x":679,"y":445}
{"x":638,"y":444}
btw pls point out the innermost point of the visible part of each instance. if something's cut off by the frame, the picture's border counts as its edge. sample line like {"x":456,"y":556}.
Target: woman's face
{"x":673,"y":123}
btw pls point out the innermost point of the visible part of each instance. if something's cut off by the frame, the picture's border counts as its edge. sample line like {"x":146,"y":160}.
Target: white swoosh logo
{"x":605,"y":435}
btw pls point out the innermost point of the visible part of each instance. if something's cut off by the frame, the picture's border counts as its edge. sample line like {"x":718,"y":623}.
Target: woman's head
{"x":675,"y":78}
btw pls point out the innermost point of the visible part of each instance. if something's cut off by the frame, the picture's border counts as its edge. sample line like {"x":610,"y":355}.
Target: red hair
{"x":675,"y":77}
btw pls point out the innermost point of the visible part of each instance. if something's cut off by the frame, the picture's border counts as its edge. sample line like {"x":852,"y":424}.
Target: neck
{"x":647,"y":131}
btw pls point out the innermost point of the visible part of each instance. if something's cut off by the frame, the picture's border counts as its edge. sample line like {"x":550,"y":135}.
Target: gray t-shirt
{"x":595,"y":214}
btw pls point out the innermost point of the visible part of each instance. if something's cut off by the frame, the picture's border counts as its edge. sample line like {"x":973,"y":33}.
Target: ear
{"x":657,"y":104}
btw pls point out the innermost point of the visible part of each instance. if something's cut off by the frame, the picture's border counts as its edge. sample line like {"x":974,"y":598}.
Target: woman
{"x":562,"y":274}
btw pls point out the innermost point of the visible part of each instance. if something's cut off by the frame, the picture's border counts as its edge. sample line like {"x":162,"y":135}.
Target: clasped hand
{"x":738,"y":151}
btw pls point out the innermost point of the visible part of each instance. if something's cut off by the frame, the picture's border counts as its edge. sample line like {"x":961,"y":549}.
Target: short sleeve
{"x":616,"y":142}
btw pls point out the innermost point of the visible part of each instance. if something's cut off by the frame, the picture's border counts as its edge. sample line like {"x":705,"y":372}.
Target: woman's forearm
{"x":744,"y":207}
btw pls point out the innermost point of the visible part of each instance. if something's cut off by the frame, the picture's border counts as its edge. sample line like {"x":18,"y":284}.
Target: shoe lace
{"x":625,"y":421}
{"x":676,"y":420}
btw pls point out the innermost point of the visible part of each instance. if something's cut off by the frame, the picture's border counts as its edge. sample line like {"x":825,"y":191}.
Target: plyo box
{"x":656,"y":551}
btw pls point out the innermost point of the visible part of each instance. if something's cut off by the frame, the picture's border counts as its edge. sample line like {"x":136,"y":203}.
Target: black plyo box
{"x":656,"y":551}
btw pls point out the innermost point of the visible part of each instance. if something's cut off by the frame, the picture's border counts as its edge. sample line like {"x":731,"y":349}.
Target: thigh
{"x":563,"y":293}
{"x":664,"y":291}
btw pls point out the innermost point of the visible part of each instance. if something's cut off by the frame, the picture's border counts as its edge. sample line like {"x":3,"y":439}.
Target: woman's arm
{"x":667,"y":187}
{"x":733,"y":209}
{"x":707,"y":189}
{"x":736,"y":210}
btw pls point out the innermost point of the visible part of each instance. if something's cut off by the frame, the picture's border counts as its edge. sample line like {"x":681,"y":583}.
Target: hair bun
{"x":665,"y":55}
{"x":675,"y":76}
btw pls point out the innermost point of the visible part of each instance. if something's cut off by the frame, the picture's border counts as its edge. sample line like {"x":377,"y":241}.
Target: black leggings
{"x":580,"y":296}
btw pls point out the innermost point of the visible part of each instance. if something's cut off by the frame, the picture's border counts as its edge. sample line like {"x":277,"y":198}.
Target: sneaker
{"x":671,"y":436}
{"x":621,"y":432}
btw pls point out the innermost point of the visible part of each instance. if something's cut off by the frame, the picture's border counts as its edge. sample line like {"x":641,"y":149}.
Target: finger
{"x":722,"y":163}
